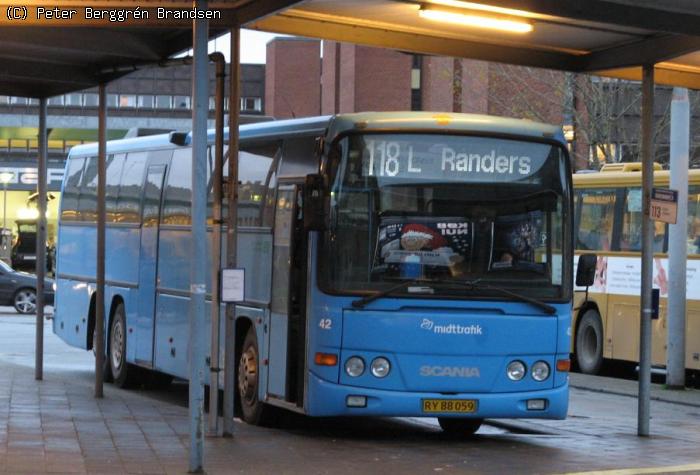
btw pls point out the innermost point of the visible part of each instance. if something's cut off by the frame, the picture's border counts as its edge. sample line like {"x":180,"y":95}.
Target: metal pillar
{"x":678,"y":241}
{"x":231,"y":235}
{"x":647,"y":251}
{"x":198,"y":269}
{"x":41,"y":241}
{"x":217,"y":177}
{"x":99,"y":340}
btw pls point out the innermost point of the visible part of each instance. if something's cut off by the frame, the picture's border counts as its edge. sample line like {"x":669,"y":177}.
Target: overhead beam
{"x":259,"y":9}
{"x":610,"y":12}
{"x":14,"y":70}
{"x":78,"y":42}
{"x":650,"y":51}
{"x":405,"y":41}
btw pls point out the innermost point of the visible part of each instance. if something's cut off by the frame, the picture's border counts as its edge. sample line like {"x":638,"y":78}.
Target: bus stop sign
{"x":664,"y":205}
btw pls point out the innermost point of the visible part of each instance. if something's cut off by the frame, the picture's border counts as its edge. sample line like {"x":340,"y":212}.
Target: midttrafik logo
{"x":452,"y":328}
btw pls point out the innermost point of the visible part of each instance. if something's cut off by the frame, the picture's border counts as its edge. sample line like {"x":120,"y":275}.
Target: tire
{"x":124,"y":374}
{"x":459,"y":426}
{"x":25,"y":301}
{"x":589,"y":342}
{"x":253,"y":411}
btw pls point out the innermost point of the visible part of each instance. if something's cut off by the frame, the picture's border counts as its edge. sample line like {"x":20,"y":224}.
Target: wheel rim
{"x":589,"y":345}
{"x":25,"y":301}
{"x":116,"y":344}
{"x":248,"y":375}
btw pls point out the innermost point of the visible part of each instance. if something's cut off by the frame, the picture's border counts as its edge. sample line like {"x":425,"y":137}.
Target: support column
{"x":217,"y":177}
{"x":41,"y":241}
{"x":647,"y":251}
{"x":99,"y":340}
{"x":231,"y":235}
{"x":198,"y":254}
{"x":678,"y":241}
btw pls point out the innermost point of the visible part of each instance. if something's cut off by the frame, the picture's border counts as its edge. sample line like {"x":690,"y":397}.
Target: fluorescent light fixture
{"x":485,"y":8}
{"x":477,"y":21}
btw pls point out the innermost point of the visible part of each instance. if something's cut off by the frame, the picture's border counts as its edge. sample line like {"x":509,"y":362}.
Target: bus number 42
{"x":325,"y":323}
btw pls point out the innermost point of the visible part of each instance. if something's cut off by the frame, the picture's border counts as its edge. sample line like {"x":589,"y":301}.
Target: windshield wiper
{"x":477,"y":285}
{"x":473,"y":284}
{"x":360,"y":303}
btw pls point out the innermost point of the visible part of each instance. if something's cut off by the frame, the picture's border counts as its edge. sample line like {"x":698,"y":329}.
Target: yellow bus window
{"x":596,"y":219}
{"x":694,"y":219}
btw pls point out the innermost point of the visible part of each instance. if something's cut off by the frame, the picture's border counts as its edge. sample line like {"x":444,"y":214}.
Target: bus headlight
{"x":380,"y":367}
{"x":354,"y":366}
{"x":516,"y":370}
{"x":540,"y":371}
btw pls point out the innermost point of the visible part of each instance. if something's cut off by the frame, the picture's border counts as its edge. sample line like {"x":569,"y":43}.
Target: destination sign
{"x":664,"y":205}
{"x":452,"y":158}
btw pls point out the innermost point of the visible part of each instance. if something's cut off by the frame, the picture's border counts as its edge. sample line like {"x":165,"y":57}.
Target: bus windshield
{"x":446,"y":209}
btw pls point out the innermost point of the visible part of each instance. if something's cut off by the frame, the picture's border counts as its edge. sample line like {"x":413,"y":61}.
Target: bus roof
{"x":424,"y":121}
{"x":609,"y":179}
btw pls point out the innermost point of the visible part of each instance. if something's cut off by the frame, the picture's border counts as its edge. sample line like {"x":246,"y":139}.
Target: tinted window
{"x":178,"y":191}
{"x":694,"y":219}
{"x":129,"y":198}
{"x":257,"y":176}
{"x":597,"y":209}
{"x":115,"y":165}
{"x":69,"y":199}
{"x":87,"y":203}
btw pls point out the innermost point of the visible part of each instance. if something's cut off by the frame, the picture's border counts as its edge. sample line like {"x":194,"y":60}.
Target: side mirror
{"x":314,"y":215}
{"x":585,"y":273}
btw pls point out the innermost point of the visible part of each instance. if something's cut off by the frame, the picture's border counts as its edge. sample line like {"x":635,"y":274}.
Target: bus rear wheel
{"x":253,"y":411}
{"x":123,"y":373}
{"x":459,"y":426}
{"x":589,"y":342}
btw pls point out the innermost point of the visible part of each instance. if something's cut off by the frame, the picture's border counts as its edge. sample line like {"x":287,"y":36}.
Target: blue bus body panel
{"x":470,"y":344}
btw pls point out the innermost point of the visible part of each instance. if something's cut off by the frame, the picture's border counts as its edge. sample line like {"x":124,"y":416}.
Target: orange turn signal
{"x":563,"y":365}
{"x":326,"y":359}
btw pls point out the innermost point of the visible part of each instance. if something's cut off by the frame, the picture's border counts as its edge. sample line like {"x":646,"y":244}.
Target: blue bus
{"x":397,"y":264}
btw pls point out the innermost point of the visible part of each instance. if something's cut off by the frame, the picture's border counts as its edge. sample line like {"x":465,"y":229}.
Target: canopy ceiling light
{"x":474,"y":19}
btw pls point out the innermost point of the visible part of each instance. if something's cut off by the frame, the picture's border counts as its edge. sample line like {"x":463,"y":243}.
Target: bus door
{"x":148,"y":263}
{"x":288,"y":303}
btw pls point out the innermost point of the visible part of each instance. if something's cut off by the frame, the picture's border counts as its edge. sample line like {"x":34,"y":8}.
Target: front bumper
{"x":329,"y":399}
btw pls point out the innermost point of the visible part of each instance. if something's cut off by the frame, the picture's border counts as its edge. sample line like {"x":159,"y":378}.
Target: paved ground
{"x":56,"y":426}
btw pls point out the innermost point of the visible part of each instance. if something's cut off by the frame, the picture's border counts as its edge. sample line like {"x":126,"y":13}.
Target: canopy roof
{"x":41,"y":57}
{"x":606,"y":37}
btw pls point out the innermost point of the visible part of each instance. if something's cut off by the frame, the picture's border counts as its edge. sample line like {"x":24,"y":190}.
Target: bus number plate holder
{"x":450,"y":406}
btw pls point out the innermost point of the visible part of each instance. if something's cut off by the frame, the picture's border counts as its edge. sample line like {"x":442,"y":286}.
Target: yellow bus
{"x":608,"y":222}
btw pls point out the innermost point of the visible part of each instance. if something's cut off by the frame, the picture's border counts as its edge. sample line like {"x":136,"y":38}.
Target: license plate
{"x":454,"y":406}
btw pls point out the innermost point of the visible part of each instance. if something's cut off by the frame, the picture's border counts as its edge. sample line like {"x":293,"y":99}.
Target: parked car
{"x":19,"y":289}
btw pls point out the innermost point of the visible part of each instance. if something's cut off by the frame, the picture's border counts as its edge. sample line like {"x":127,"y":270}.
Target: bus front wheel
{"x":459,"y":427}
{"x":589,"y":342}
{"x":253,"y":411}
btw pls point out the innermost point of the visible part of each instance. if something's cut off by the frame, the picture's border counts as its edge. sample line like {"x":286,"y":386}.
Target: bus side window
{"x":178,"y":192}
{"x":87,"y":201}
{"x":115,"y":165}
{"x":694,"y":219}
{"x":631,"y":236}
{"x":69,"y":201}
{"x":130,"y":188}
{"x":595,"y":231}
{"x":257,"y":175}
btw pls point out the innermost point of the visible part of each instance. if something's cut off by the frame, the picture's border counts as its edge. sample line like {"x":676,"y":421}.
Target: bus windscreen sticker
{"x":434,"y":243}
